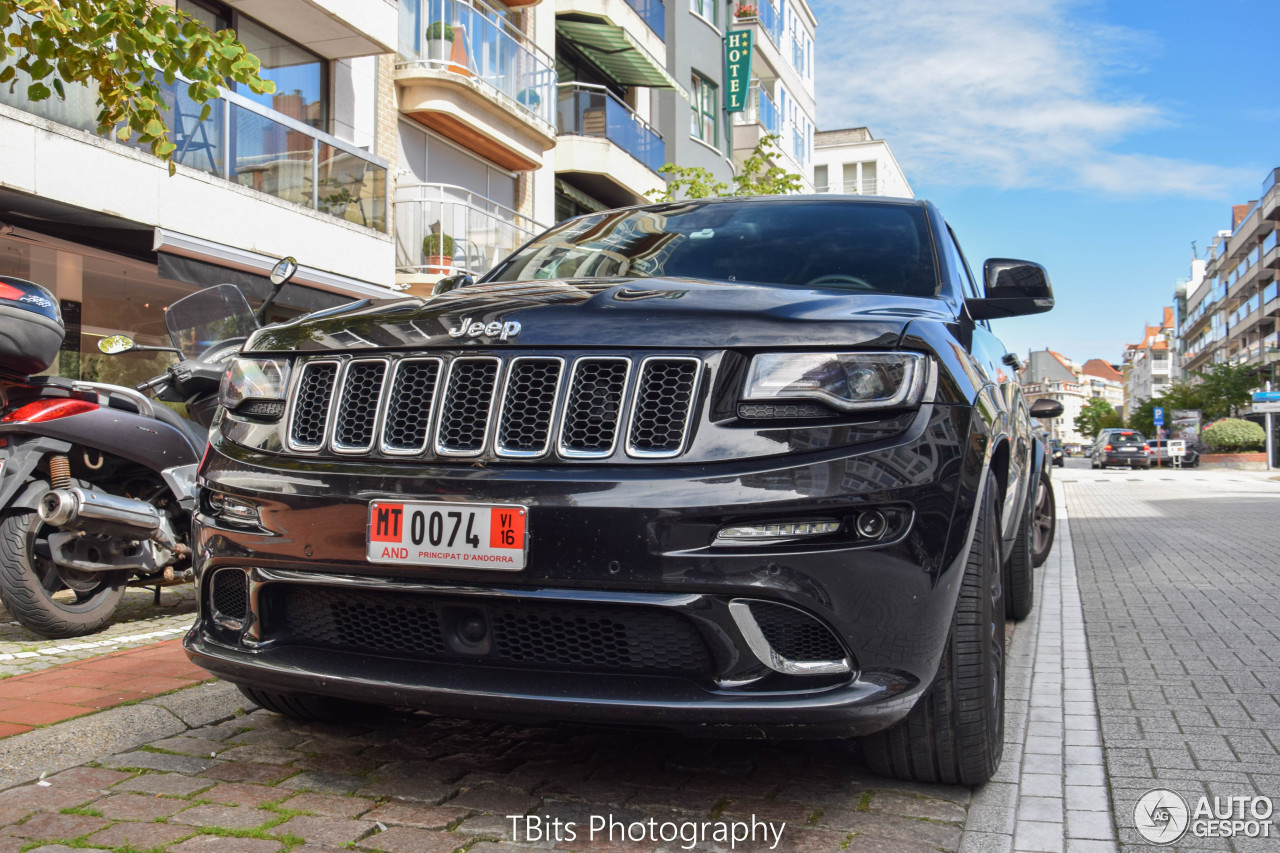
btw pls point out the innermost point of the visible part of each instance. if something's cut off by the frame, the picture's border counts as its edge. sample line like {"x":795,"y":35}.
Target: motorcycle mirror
{"x":284,"y":270}
{"x":113,"y":344}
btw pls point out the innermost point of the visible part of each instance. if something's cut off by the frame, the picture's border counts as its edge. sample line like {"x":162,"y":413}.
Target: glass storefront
{"x":100,"y":295}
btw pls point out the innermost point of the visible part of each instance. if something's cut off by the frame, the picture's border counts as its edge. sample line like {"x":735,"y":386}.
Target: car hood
{"x":636,"y":313}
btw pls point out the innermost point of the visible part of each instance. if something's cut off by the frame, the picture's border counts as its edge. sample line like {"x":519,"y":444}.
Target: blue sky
{"x":1097,"y":138}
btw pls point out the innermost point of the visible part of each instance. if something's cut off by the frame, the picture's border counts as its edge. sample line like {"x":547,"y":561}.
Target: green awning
{"x":619,"y":55}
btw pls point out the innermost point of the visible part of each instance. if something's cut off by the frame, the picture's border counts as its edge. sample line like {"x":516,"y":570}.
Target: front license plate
{"x":468,"y":536}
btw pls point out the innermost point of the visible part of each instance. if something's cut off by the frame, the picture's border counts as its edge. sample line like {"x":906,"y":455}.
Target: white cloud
{"x":1005,"y":93}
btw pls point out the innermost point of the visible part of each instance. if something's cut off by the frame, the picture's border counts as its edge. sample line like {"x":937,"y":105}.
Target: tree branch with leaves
{"x":758,"y":176}
{"x":131,"y":49}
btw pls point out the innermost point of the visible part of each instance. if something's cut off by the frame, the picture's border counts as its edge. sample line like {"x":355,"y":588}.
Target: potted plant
{"x":530,"y":98}
{"x":438,"y":250}
{"x":439,"y":40}
{"x":746,"y":10}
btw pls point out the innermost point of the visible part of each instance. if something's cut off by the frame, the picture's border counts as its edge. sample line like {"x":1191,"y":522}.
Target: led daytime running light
{"x":787,"y":530}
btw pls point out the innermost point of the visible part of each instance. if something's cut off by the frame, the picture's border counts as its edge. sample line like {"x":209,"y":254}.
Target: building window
{"x":705,"y":111}
{"x":706,"y":9}
{"x":300,"y":75}
{"x":820,"y":179}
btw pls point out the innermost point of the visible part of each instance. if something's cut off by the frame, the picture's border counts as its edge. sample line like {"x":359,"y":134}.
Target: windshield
{"x":843,"y":244}
{"x":199,"y":321}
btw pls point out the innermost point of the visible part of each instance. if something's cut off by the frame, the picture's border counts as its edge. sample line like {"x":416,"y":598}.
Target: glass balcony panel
{"x":481,"y":232}
{"x":770,"y":21}
{"x":272,"y":158}
{"x":471,"y":39}
{"x":759,"y":109}
{"x":584,"y":110}
{"x":654,"y":13}
{"x":351,"y":188}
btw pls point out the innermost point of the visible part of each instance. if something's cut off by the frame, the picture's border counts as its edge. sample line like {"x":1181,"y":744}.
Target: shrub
{"x":440,"y":30}
{"x":1234,"y":435}
{"x":437,"y":245}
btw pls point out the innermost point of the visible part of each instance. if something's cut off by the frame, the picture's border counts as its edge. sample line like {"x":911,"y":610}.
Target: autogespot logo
{"x":1161,"y":816}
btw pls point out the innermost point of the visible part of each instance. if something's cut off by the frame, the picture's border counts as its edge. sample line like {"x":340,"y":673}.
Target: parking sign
{"x":1157,"y":416}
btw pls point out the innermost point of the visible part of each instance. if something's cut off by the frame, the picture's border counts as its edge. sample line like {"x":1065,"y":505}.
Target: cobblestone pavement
{"x":137,"y":622}
{"x":1178,"y":577}
{"x":259,"y":782}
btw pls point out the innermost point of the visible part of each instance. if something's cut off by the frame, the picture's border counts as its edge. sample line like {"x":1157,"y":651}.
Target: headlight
{"x":253,"y":379}
{"x":847,"y":381}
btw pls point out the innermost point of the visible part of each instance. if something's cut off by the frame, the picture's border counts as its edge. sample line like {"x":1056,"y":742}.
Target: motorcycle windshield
{"x":202,"y":319}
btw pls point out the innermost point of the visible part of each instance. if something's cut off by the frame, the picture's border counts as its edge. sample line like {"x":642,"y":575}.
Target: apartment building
{"x":1051,"y":375}
{"x":475,"y":89}
{"x":1150,"y":365}
{"x":1103,"y":381}
{"x":779,"y":97}
{"x":1231,"y":315}
{"x":853,"y":162}
{"x":304,"y":171}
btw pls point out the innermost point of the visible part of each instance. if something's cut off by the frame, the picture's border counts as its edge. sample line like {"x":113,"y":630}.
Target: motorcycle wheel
{"x":34,"y":590}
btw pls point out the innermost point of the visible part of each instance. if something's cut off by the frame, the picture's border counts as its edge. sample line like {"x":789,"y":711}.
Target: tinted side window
{"x":960,"y":277}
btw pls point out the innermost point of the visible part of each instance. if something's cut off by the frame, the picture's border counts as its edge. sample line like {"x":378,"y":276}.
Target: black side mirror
{"x":1046,"y":408}
{"x":452,"y":282}
{"x":1013,"y":288}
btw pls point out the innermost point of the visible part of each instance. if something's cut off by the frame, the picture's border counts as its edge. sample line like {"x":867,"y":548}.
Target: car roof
{"x":781,"y":200}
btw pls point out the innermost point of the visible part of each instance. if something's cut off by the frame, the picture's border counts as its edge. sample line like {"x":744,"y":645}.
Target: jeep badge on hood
{"x":502,"y":331}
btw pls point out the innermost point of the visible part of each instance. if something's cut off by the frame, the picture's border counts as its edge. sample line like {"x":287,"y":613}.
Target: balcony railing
{"x":469,"y":38}
{"x":1270,"y":292}
{"x":583,"y":109}
{"x":759,"y":109}
{"x":252,"y":145}
{"x":654,"y":14}
{"x":481,"y":231}
{"x":1270,"y":180}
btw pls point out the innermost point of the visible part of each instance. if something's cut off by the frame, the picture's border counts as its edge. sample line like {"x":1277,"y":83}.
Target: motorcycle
{"x":97,"y":481}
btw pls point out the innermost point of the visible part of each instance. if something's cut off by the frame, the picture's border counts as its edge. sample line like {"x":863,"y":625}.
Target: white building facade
{"x":853,"y":162}
{"x":304,"y":171}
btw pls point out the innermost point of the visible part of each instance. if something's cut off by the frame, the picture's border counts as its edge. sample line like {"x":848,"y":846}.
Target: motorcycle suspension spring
{"x":59,"y":471}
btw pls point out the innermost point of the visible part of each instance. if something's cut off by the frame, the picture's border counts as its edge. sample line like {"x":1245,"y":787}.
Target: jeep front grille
{"x":515,"y":407}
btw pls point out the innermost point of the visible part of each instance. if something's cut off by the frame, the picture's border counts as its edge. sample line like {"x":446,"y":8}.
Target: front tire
{"x":35,"y":591}
{"x":955,"y":733}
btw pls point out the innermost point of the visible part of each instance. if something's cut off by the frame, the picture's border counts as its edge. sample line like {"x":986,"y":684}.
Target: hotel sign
{"x":737,"y":74}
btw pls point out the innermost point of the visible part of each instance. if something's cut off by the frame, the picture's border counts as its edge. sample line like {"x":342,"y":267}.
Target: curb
{"x":28,"y":756}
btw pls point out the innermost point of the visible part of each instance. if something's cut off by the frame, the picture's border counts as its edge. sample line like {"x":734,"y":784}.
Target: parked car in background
{"x":1159,"y":449}
{"x":1056,"y":453}
{"x":1115,"y":446}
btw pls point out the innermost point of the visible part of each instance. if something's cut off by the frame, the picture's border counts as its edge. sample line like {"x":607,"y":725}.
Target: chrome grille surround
{"x":576,"y":408}
{"x":355,"y":414}
{"x":467,"y":403}
{"x":649,"y":401}
{"x":541,"y":421}
{"x":421,"y":376}
{"x":516,"y":406}
{"x":312,"y":400}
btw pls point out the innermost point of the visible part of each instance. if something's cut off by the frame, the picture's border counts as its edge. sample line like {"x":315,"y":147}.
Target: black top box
{"x":31,"y":329}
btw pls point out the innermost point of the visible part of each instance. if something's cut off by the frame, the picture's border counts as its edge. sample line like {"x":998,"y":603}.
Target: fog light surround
{"x":233,"y":510}
{"x":749,"y":533}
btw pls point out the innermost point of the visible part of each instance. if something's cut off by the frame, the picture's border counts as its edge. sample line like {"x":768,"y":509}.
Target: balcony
{"x":480,"y":232}
{"x":468,"y":74}
{"x":251,"y":145}
{"x":766,"y":16}
{"x":758,"y":118}
{"x":335,"y":29}
{"x":614,"y":154}
{"x":654,"y":15}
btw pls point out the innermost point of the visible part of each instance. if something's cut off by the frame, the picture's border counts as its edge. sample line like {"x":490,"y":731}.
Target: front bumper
{"x":611,"y":547}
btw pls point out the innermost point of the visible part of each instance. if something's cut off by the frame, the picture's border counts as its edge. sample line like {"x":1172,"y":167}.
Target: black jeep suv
{"x":735,"y":467}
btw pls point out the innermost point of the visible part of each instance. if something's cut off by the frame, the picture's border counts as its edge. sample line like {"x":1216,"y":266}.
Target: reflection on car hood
{"x":609,"y":313}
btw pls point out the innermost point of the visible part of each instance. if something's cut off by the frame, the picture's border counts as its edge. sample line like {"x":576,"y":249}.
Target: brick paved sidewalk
{"x":1178,"y":581}
{"x":84,"y":686}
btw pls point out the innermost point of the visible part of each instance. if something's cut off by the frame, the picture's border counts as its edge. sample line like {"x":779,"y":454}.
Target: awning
{"x":619,"y":55}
